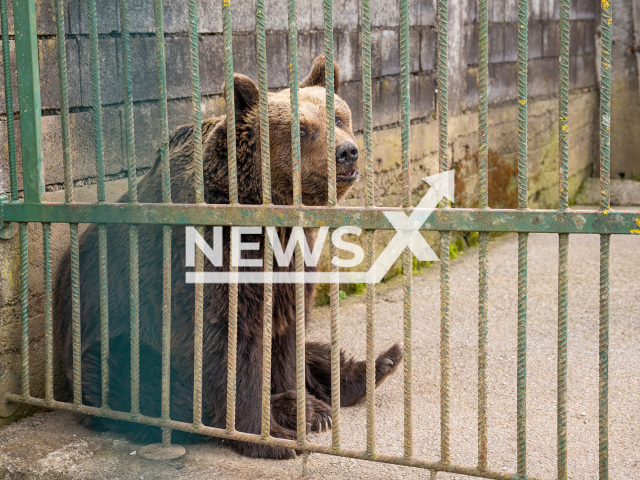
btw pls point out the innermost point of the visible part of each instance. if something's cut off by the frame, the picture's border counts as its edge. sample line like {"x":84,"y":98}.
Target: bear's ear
{"x":316,"y":75}
{"x":246,"y":94}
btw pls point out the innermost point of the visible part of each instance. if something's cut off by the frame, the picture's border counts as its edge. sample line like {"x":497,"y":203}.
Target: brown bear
{"x":250,"y":296}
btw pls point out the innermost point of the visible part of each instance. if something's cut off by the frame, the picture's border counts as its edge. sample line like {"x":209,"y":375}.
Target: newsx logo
{"x":407,"y":235}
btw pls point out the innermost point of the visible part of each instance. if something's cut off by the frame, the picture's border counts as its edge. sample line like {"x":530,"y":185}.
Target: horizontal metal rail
{"x":372,"y":218}
{"x":257,"y":438}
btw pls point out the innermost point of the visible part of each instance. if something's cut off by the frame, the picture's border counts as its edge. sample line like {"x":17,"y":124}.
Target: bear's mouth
{"x":347,"y":176}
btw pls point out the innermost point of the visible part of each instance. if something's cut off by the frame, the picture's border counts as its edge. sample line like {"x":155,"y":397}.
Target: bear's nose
{"x":346,"y":153}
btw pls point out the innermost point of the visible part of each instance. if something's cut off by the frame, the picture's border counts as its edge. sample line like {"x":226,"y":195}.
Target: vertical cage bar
{"x":329,"y":87}
{"x":297,"y":200}
{"x":563,"y":281}
{"x":293,"y":87}
{"x":8,"y":97}
{"x":267,"y":315}
{"x":128,"y":100}
{"x":371,"y":344}
{"x":24,"y":17}
{"x":134,"y":314}
{"x":261,"y":47}
{"x":445,"y":237}
{"x":166,"y":229}
{"x":603,"y":409}
{"x":407,"y":258}
{"x":365,"y":25}
{"x":64,"y":100}
{"x":96,"y":110}
{"x":522,"y":354}
{"x":75,"y":315}
{"x":228,"y":90}
{"x":605,"y":144}
{"x":198,"y":339}
{"x":334,"y":299}
{"x":563,"y":105}
{"x":523,"y":12}
{"x":483,"y":203}
{"x":233,"y":199}
{"x":24,"y":308}
{"x":48,"y":323}
{"x":104,"y":313}
{"x":483,"y":330}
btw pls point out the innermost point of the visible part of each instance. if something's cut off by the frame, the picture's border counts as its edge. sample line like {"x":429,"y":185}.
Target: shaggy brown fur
{"x":250,"y":297}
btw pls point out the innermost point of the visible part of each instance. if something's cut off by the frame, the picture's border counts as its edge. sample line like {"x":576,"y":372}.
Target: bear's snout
{"x":347,"y":161}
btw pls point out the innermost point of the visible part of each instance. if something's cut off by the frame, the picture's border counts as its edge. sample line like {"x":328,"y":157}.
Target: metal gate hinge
{"x":7,"y":229}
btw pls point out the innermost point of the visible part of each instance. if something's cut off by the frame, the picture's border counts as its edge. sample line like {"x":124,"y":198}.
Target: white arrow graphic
{"x":408,"y":227}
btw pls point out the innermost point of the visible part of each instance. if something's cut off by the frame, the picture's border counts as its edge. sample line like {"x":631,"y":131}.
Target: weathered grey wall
{"x":543,"y":81}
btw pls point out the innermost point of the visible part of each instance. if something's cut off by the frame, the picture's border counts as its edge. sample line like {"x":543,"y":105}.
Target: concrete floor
{"x":52,"y":445}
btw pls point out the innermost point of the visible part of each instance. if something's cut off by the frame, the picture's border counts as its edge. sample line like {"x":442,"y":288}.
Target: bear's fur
{"x":250,"y":296}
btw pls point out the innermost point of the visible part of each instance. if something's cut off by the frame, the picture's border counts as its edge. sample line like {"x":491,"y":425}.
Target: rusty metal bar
{"x":24,"y":308}
{"x":334,"y":300}
{"x":198,"y":339}
{"x":371,"y":342}
{"x":48,"y":322}
{"x":75,"y":316}
{"x":280,"y":442}
{"x":267,"y":315}
{"x":367,"y":218}
{"x":563,"y":287}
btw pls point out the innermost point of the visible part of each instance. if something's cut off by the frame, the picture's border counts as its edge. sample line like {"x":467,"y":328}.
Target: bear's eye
{"x":303,"y":132}
{"x":338,"y":121}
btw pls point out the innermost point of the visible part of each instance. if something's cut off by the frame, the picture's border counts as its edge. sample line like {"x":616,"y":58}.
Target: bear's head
{"x":313,"y":136}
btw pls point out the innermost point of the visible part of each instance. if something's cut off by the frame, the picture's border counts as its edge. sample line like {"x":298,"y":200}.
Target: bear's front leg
{"x":353,"y":374}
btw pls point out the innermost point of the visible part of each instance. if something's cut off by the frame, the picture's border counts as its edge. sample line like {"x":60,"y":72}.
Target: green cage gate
{"x":33,"y":209}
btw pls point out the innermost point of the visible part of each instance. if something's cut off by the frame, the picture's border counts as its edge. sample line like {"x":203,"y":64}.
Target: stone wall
{"x":543,"y":84}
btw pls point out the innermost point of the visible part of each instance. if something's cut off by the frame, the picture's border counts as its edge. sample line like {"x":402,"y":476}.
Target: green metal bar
{"x":24,"y":308}
{"x":64,"y":100}
{"x":365,"y":25}
{"x":458,"y":219}
{"x":8,"y":97}
{"x":166,"y":230}
{"x":75,"y":316}
{"x":162,"y":100}
{"x":522,"y":354}
{"x":293,"y":87}
{"x":300,"y":348}
{"x":24,"y":16}
{"x":279,"y":442}
{"x":445,"y":236}
{"x":371,"y":347}
{"x":229,"y":94}
{"x":329,"y":87}
{"x":603,"y":410}
{"x":407,"y":270}
{"x":523,"y":13}
{"x":483,"y":203}
{"x":128,"y":100}
{"x":134,"y":313}
{"x":563,"y":105}
{"x":563,"y":286}
{"x":166,"y":331}
{"x":483,"y":331}
{"x":261,"y":47}
{"x":104,"y":313}
{"x":605,"y":144}
{"x":96,"y":110}
{"x":48,"y":322}
{"x":405,"y":70}
{"x":197,"y":343}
